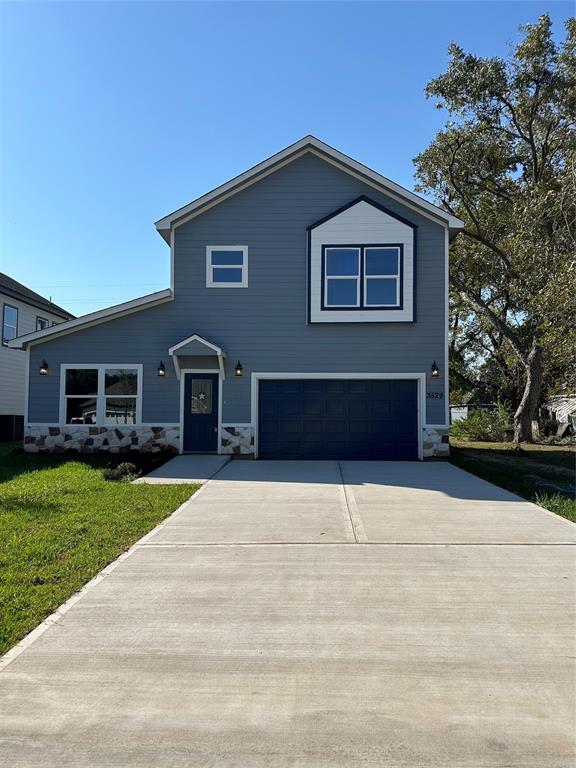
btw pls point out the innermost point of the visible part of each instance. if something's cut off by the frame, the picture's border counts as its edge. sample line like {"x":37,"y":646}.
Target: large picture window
{"x":362,"y":277}
{"x":103,"y":394}
{"x":227,"y":266}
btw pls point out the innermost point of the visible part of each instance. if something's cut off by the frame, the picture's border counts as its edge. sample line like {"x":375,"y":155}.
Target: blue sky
{"x":114,"y":114}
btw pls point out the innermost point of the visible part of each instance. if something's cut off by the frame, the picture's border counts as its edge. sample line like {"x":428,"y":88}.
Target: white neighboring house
{"x":22,"y":311}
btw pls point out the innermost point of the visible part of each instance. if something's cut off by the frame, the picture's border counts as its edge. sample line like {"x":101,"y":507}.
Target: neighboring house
{"x":22,"y":311}
{"x":306,"y":318}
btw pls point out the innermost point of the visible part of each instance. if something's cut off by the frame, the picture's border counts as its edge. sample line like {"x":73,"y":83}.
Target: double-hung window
{"x":41,"y":323}
{"x":342,"y":277}
{"x":103,"y":394}
{"x":9,"y":323}
{"x":227,"y":266}
{"x":382,"y":276}
{"x":362,"y":277}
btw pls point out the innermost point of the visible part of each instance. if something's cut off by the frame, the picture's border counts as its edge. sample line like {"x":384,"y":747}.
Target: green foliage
{"x":504,"y":164}
{"x":542,"y":474}
{"x":489,"y":426}
{"x":125,"y":472}
{"x":60,"y":524}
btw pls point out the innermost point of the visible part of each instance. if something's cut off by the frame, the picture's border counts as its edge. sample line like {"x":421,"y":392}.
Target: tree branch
{"x":474,"y":300}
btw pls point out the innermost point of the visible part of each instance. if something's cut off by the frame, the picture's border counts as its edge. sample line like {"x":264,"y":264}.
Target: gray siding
{"x":264,"y":325}
{"x":13,"y":361}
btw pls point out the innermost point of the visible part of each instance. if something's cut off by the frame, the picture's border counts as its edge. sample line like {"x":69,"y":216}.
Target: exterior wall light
{"x":161,"y":369}
{"x":238,"y":370}
{"x":435,"y":371}
{"x":43,"y":371}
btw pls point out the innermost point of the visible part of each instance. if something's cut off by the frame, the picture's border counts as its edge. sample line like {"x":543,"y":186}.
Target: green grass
{"x":544,"y":474}
{"x":61,"y":523}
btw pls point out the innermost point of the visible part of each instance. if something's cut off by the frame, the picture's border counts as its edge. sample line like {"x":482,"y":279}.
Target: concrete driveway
{"x":314,"y":615}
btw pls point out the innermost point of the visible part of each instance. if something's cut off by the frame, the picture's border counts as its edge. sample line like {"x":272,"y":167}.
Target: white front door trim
{"x":218,"y":373}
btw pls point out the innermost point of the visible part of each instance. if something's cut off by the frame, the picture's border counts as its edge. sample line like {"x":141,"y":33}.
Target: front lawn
{"x":61,"y":523}
{"x":544,"y":474}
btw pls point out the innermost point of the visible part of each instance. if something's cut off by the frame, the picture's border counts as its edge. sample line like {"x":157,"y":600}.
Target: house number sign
{"x":435,"y":395}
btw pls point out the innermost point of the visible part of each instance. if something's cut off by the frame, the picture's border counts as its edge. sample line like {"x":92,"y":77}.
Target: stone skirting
{"x":237,"y":440}
{"x":114,"y":439}
{"x":436,"y":443}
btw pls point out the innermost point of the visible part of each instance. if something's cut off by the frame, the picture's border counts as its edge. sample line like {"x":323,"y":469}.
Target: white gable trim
{"x":319,"y":148}
{"x":94,"y":318}
{"x":173,"y":352}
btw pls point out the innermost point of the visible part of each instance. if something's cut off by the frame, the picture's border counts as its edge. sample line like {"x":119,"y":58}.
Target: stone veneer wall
{"x":436,"y":443}
{"x":114,"y":439}
{"x":237,"y":440}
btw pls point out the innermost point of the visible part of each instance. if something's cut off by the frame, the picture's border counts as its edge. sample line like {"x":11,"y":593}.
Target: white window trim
{"x":328,"y":277}
{"x":44,"y":320}
{"x":382,"y":277}
{"x":210,"y":267}
{"x":100,"y":396}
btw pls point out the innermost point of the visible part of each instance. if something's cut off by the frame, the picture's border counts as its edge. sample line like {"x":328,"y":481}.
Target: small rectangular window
{"x":9,"y":323}
{"x":381,"y":277}
{"x":227,"y":266}
{"x":41,"y":323}
{"x":201,"y":401}
{"x":342,"y":277}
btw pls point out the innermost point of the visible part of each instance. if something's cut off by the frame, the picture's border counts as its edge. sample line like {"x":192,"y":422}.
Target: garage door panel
{"x":338,"y":419}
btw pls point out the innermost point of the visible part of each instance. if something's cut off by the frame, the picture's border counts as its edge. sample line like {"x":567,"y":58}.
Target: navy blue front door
{"x":338,"y":419}
{"x":201,"y":412}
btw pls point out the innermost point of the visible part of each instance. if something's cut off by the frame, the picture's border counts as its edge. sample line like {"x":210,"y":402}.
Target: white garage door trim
{"x":419,"y":377}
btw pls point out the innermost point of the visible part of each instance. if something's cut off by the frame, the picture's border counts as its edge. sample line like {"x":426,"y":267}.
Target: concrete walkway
{"x":190,"y":468}
{"x":315,"y":615}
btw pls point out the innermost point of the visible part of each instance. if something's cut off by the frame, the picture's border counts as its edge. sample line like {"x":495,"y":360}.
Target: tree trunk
{"x":526,"y":411}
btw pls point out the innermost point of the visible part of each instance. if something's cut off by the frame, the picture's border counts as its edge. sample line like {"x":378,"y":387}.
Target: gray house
{"x":306,"y":318}
{"x":22,"y":311}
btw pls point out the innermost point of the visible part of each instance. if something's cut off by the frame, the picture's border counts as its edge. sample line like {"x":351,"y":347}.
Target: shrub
{"x":124,"y":472}
{"x":484,"y":426}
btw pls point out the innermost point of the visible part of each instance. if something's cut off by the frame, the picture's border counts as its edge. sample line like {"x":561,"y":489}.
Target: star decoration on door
{"x":201,"y":395}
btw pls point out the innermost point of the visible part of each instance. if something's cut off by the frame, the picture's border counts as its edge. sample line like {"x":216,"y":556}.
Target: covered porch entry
{"x":199,"y":366}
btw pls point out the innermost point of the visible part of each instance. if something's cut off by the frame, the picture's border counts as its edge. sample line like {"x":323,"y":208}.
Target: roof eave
{"x":93,"y":318}
{"x":308,"y":143}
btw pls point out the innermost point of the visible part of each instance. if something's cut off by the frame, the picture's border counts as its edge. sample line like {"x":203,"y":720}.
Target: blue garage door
{"x":338,"y":419}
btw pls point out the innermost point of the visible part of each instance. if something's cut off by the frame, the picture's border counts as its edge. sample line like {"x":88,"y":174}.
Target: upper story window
{"x":102,"y":394}
{"x":362,"y":277}
{"x":41,"y":323}
{"x":9,"y":323}
{"x":227,"y":266}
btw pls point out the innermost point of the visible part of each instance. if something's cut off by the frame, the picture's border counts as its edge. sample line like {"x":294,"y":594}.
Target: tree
{"x":504,"y":164}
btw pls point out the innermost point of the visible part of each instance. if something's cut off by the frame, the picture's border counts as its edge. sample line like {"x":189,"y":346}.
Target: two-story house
{"x":306,"y":319}
{"x":22,"y":311}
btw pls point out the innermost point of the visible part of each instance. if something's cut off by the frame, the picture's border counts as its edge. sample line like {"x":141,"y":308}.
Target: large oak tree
{"x":505,"y":164}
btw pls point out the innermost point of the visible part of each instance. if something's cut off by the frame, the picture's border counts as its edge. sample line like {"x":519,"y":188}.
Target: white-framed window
{"x":101,"y":394}
{"x":9,"y":323}
{"x":342,"y":277}
{"x":382,"y":276}
{"x":41,"y":323}
{"x":227,"y":266}
{"x":357,"y":277}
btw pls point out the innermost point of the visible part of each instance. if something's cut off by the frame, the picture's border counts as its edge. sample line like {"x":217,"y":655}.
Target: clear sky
{"x":114,"y":114}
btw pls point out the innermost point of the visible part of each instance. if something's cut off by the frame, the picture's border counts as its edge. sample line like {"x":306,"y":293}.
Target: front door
{"x":200,"y":413}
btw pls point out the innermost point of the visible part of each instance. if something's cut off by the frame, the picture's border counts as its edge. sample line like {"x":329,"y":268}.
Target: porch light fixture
{"x":435,"y":371}
{"x":161,"y":369}
{"x":238,"y":370}
{"x":43,"y":371}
